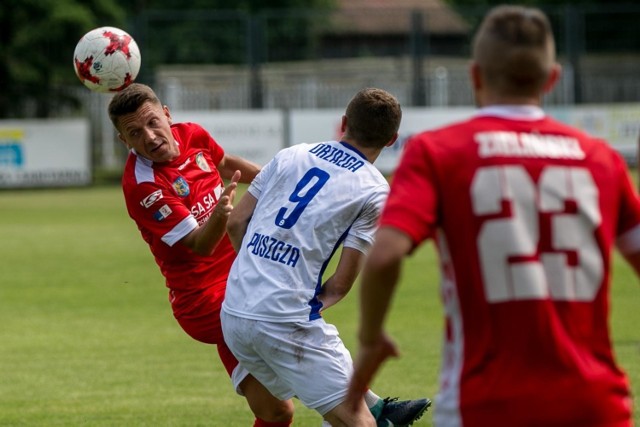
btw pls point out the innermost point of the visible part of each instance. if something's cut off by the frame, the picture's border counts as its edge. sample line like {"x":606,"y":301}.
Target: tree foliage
{"x":489,"y":3}
{"x":37,"y":39}
{"x":581,"y":27}
{"x":251,"y":6}
{"x":215,"y":31}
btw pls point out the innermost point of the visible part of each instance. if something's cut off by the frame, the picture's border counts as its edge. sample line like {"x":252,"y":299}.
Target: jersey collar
{"x":513,"y":112}
{"x":352,"y":148}
{"x":149,"y":162}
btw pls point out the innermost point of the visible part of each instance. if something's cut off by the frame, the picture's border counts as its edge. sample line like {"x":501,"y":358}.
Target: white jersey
{"x":311,"y":198}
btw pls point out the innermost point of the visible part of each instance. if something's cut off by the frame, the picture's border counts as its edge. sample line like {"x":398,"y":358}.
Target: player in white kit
{"x":304,"y":204}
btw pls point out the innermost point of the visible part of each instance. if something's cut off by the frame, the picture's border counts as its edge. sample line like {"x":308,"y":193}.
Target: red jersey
{"x":524,"y":211}
{"x":169,"y":200}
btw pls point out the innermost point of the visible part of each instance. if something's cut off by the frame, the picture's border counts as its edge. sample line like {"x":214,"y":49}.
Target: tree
{"x":37,"y":39}
{"x":486,"y":3}
{"x":215,"y":31}
{"x":580,"y":26}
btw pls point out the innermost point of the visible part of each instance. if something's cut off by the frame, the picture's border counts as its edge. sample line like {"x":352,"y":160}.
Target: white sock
{"x":370,"y":398}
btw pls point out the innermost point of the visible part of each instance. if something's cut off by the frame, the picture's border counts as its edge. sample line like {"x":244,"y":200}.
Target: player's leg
{"x":264,"y":391}
{"x":269,"y":410}
{"x":199,"y":317}
{"x":344,"y":415}
{"x":198,"y":314}
{"x":312,"y":360}
{"x":393,"y":412}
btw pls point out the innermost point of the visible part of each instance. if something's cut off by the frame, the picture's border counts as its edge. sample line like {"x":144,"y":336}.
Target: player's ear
{"x":343,"y":124}
{"x":123,"y":141}
{"x":554,"y":76}
{"x":167,"y":114}
{"x":475,"y":75}
{"x":390,"y":143}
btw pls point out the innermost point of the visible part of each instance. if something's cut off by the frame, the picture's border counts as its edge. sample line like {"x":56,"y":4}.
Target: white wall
{"x":254,"y":135}
{"x":44,"y":153}
{"x":258,"y":135}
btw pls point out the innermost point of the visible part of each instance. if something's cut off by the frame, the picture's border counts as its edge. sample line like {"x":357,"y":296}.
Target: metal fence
{"x":312,"y":59}
{"x":213,"y":60}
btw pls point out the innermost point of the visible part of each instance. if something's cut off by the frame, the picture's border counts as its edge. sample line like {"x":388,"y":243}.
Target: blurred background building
{"x":291,"y":54}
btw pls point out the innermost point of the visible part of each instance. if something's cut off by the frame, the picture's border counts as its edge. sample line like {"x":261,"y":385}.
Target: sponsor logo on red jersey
{"x":202,"y":162}
{"x":181,"y":186}
{"x":184,"y":165}
{"x":162,"y":213}
{"x":151,"y":199}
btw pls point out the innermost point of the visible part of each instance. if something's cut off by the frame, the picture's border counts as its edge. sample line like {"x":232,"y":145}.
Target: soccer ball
{"x":106,"y":59}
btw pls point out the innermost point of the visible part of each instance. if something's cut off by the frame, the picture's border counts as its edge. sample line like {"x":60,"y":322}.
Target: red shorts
{"x":199,"y":317}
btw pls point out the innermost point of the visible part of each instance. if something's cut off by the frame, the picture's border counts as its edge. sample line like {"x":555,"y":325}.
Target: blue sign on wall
{"x":11,"y":155}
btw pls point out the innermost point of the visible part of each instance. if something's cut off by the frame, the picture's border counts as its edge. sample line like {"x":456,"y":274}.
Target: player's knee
{"x":281,"y":412}
{"x":344,"y":415}
{"x":263,"y":404}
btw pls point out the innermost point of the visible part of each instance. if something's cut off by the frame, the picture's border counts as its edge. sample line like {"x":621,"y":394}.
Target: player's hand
{"x":225,"y":203}
{"x":368,"y":361}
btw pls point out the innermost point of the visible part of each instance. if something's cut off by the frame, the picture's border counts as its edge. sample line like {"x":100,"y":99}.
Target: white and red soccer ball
{"x":106,"y":59}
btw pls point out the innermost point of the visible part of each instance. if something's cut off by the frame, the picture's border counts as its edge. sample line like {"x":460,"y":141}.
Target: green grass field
{"x":87,"y":337}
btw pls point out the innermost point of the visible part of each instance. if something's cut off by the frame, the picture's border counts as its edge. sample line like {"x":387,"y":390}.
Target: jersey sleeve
{"x":204,"y":139}
{"x":361,"y":234}
{"x":217,"y":152}
{"x":263,"y":177}
{"x":157,"y":211}
{"x":413,"y":199}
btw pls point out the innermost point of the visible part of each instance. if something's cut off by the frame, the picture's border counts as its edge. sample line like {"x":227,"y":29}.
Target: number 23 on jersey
{"x":514,"y":263}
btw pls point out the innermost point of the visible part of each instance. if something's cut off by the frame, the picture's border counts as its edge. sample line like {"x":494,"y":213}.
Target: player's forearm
{"x":332,"y":293}
{"x":204,"y":239}
{"x":342,"y":280}
{"x":236,"y":231}
{"x":379,"y":279}
{"x":239,"y":219}
{"x":376,"y":292}
{"x":231,"y":164}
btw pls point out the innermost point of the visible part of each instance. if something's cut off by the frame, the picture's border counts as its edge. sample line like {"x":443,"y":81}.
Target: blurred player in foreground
{"x":173,"y":190}
{"x":304,"y":204}
{"x":524,"y":211}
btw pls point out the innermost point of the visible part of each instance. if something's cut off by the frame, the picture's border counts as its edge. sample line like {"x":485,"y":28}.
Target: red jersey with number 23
{"x":168,"y":200}
{"x":525,"y":211}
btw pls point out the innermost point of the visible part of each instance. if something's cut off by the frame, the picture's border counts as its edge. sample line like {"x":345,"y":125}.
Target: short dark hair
{"x":515,"y":50}
{"x":129,"y":99}
{"x":373,"y":117}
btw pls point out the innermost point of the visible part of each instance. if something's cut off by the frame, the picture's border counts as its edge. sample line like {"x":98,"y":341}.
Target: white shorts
{"x":304,"y":360}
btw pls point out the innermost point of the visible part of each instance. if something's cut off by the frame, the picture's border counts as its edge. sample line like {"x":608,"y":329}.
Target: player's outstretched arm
{"x":204,"y":239}
{"x":379,"y":279}
{"x":230,"y":164}
{"x":341,"y":281}
{"x":239,"y":219}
